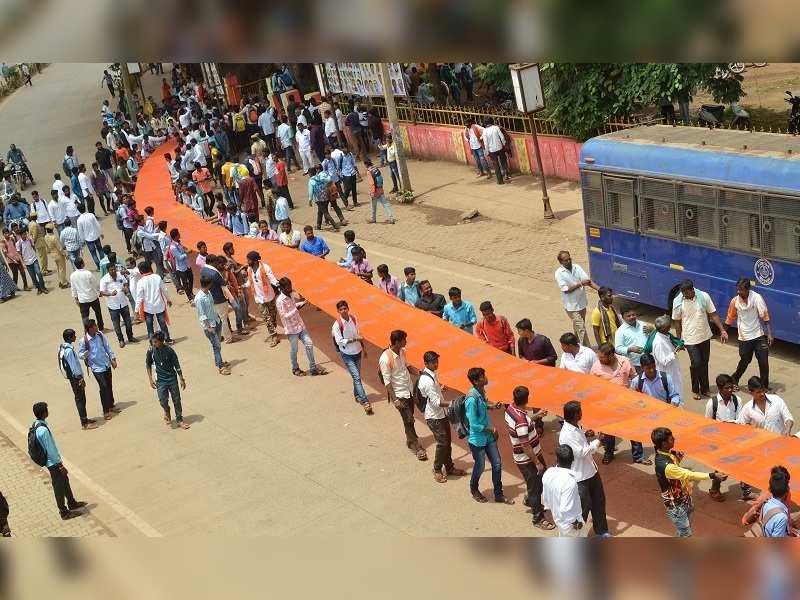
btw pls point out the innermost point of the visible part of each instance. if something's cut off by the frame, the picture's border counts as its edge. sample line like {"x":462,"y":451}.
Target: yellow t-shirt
{"x":226,"y":173}
{"x":597,"y":321}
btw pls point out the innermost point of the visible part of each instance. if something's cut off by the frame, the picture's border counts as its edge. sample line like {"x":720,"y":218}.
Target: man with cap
{"x":262,"y":282}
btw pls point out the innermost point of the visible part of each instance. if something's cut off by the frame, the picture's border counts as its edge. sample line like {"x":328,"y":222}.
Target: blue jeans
{"x":162,"y":325}
{"x":480,"y":160}
{"x":681,"y":517}
{"x":216,"y":346}
{"x":478,"y":454}
{"x":239,"y":311}
{"x":387,"y":209}
{"x":96,"y":251}
{"x":164,"y":392}
{"x":309,"y":345}
{"x":395,"y":172}
{"x":36,"y":275}
{"x":353,"y":364}
{"x":73,"y":256}
{"x":288,"y":154}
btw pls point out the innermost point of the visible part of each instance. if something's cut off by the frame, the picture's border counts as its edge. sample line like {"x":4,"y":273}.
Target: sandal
{"x":318,"y":371}
{"x":368,"y":408}
{"x":421,"y":454}
{"x":456,"y":472}
{"x":298,"y":372}
{"x":607,"y":458}
{"x":643,"y":461}
{"x":167,"y":419}
{"x":478,"y":497}
{"x":274,"y":342}
{"x":504,"y":500}
{"x":697,"y":397}
{"x":544,"y":524}
{"x":224,"y":371}
{"x":716,"y":495}
{"x":438,"y":477}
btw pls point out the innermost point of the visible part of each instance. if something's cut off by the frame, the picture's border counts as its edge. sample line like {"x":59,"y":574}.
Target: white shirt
{"x":777,"y":413}
{"x":301,"y":118}
{"x":285,"y":135}
{"x":395,"y":372}
{"x":266,"y":121}
{"x":152,"y":293}
{"x":304,"y":140}
{"x":430,"y":389}
{"x":70,"y":205}
{"x":84,"y":286}
{"x":258,"y":288}
{"x":576,"y":299}
{"x":58,"y":185}
{"x":42,"y":211}
{"x":133,"y":277}
{"x":184,"y":119}
{"x":560,"y":496}
{"x":583,"y":463}
{"x":289,"y":239}
{"x":89,"y":227}
{"x":694,"y":319}
{"x":493,"y":138}
{"x":344,"y":336}
{"x":336,"y":156}
{"x":726,"y":413}
{"x":581,"y":362}
{"x":57,"y":212}
{"x":473,"y":138}
{"x":111,"y":140}
{"x":86,"y":184}
{"x":26,"y":249}
{"x":330,"y":127}
{"x":108,"y":285}
{"x":667,"y":359}
{"x":749,"y":315}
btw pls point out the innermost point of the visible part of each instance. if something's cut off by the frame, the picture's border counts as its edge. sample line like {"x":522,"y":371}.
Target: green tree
{"x":581,"y":97}
{"x":494,"y":76}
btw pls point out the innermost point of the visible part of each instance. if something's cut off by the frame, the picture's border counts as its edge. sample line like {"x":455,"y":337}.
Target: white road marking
{"x":99,"y":491}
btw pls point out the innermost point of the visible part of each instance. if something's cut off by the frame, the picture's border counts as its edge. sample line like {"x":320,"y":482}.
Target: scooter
{"x":741,"y":118}
{"x":712,"y":115}
{"x":794,"y":114}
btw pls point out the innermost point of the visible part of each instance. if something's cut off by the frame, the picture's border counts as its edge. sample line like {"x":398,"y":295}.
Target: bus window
{"x":657,"y":207}
{"x":697,"y":214}
{"x":781,"y":227}
{"x":740,"y":221}
{"x":592,"y":190}
{"x":620,"y":203}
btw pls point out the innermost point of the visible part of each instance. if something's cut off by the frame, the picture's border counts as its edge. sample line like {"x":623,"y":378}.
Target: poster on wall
{"x":363,"y":79}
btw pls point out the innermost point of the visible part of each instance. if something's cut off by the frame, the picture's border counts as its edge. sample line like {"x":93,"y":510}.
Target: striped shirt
{"x":523,"y":433}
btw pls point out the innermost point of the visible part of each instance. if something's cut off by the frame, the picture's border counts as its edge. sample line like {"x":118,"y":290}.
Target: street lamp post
{"x":530,"y":99}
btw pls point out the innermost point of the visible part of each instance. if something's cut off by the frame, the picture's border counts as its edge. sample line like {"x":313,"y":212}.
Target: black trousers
{"x":533,"y":485}
{"x":337,"y":210}
{"x":80,"y":399}
{"x":123,"y":314}
{"x":593,"y":499}
{"x":95,"y":306}
{"x":61,"y":489}
{"x":322,"y":213}
{"x":349,"y":186}
{"x":104,"y":381}
{"x":500,"y":162}
{"x":759,"y":347}
{"x":444,"y":451}
{"x":699,"y":355}
{"x":184,"y":280}
{"x":128,"y":233}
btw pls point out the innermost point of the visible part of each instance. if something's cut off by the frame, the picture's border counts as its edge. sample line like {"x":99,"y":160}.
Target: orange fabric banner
{"x":745,"y":453}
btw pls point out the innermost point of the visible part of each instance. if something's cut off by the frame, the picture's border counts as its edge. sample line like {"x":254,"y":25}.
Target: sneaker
{"x":478,"y":497}
{"x":91,"y":425}
{"x":70,"y":514}
{"x":224,"y":371}
{"x":438,"y":477}
{"x":183,"y":425}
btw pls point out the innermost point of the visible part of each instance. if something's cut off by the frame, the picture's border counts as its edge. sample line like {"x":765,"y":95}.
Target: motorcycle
{"x":794,"y":114}
{"x":20,"y":176}
{"x":712,"y":115}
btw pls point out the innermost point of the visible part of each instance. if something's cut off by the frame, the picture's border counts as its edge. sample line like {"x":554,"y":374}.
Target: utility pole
{"x":394,"y":123}
{"x":126,"y":84}
{"x":548,"y":210}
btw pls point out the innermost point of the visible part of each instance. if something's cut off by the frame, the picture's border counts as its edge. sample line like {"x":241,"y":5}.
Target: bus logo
{"x":764,"y":272}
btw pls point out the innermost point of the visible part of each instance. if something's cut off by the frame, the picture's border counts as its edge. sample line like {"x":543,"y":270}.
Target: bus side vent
{"x":592,"y":190}
{"x":620,"y":203}
{"x":657,"y":207}
{"x":740,"y":221}
{"x":697,"y":214}
{"x":780,"y":230}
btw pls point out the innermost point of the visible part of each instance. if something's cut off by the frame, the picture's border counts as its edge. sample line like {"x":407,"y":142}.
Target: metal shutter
{"x":740,"y":220}
{"x":781,"y":226}
{"x":697,"y":214}
{"x":592,"y":191}
{"x":620,"y":203}
{"x":657,"y":207}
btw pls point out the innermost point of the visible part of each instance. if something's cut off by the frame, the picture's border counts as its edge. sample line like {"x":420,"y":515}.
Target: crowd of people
{"x":228,"y":166}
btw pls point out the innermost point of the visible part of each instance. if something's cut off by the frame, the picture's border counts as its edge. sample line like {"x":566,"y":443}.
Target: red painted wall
{"x":439,"y":142}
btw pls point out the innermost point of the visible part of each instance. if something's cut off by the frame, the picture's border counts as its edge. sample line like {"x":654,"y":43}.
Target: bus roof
{"x":679,"y":153}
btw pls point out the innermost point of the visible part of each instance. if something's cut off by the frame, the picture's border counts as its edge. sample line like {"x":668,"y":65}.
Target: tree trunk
{"x":436,"y":84}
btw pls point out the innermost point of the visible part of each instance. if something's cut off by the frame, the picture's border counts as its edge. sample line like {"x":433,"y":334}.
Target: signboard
{"x":360,"y":79}
{"x":527,"y":87}
{"x":134,"y":68}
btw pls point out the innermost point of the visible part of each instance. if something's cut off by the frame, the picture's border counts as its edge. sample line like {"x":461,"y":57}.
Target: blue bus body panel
{"x":646,"y":268}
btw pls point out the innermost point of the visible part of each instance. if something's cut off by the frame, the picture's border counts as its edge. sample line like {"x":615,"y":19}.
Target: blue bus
{"x":663,"y":204}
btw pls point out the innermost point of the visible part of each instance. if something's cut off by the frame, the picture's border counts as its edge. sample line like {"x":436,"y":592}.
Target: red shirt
{"x":497,"y":334}
{"x":281,"y":178}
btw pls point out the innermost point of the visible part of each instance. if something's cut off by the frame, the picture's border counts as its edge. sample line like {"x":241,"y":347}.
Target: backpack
{"x":457,"y":415}
{"x":757,"y":528}
{"x":62,"y":363}
{"x":714,"y":404}
{"x":419,"y":399}
{"x":377,"y":178}
{"x":118,"y":219}
{"x":640,"y":384}
{"x":341,"y":332}
{"x":238,"y":122}
{"x":136,"y":244}
{"x":35,"y":448}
